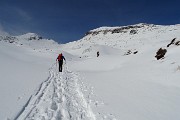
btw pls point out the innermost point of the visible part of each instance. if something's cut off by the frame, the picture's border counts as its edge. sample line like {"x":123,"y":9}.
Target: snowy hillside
{"x":132,"y":79}
{"x":129,"y":83}
{"x":30,"y":81}
{"x":134,"y":38}
{"x":23,"y":69}
{"x":31,"y":40}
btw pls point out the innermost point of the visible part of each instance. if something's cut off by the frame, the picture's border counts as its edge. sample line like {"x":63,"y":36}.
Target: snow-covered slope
{"x":134,"y":37}
{"x":31,"y":87}
{"x":130,"y":83}
{"x":30,"y":40}
{"x":126,"y":82}
{"x":22,"y":71}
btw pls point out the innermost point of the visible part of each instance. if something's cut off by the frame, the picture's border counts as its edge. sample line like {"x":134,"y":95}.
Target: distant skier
{"x":60,"y":60}
{"x":97,"y":53}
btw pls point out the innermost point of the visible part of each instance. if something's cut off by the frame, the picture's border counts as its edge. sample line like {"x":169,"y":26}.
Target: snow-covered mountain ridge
{"x":27,"y":36}
{"x":136,"y":76}
{"x":126,"y":38}
{"x":121,"y":29}
{"x":132,"y":29}
{"x":30,"y":40}
{"x":133,"y":84}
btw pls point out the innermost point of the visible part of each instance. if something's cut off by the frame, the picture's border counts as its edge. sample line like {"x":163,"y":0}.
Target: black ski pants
{"x":60,"y":65}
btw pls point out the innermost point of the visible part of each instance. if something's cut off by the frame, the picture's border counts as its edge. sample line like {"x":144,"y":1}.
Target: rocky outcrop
{"x":113,"y":30}
{"x":160,"y":53}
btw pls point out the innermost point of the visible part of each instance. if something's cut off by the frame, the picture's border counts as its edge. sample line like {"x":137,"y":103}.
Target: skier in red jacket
{"x":60,"y":60}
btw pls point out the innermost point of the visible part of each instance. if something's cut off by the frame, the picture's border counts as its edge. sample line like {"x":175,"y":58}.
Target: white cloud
{"x":11,"y":24}
{"x":23,"y":14}
{"x":2,"y":31}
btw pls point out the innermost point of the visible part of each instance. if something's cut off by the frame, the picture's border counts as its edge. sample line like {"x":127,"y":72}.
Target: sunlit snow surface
{"x":119,"y":84}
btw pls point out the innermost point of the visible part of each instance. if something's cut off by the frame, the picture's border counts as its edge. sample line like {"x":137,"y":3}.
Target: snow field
{"x":114,"y":86}
{"x":58,"y":98}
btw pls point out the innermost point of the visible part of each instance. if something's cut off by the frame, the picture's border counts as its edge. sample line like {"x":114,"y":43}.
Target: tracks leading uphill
{"x":58,"y":98}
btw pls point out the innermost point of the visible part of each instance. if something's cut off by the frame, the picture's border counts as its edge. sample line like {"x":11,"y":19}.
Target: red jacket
{"x":60,"y":57}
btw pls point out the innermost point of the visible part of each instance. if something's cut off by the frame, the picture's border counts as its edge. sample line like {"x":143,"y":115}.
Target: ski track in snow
{"x":58,"y":98}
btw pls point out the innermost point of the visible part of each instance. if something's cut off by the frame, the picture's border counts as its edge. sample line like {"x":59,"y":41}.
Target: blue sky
{"x":69,"y":20}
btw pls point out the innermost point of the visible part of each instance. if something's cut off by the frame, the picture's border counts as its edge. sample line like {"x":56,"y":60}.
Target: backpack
{"x":59,"y":57}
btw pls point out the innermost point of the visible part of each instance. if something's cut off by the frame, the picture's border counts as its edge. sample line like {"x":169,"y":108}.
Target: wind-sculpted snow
{"x":125,"y":82}
{"x":133,"y":38}
{"x":30,"y":40}
{"x":59,"y":98}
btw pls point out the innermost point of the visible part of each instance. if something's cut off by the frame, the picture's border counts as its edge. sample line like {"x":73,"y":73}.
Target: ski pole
{"x":56,"y":66}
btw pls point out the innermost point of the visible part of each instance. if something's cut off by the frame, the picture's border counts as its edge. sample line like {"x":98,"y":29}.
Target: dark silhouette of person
{"x":60,"y":59}
{"x":97,"y":53}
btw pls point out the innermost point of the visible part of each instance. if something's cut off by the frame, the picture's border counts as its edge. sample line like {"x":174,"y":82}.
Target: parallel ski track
{"x":58,"y":98}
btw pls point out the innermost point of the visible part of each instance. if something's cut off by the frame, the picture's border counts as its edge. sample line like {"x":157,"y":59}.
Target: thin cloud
{"x":14,"y":12}
{"x":13,"y":19}
{"x":23,"y":14}
{"x":2,"y":31}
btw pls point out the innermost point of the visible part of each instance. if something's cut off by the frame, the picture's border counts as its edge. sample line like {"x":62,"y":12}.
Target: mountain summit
{"x":126,"y":38}
{"x":30,"y":36}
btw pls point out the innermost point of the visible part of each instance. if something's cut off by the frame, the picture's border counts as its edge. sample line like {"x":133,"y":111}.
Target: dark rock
{"x":160,"y":53}
{"x":135,"y":52}
{"x":128,"y":52}
{"x":117,"y":30}
{"x":11,"y":41}
{"x":133,"y":32}
{"x":39,"y":38}
{"x":177,"y":43}
{"x":172,"y":42}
